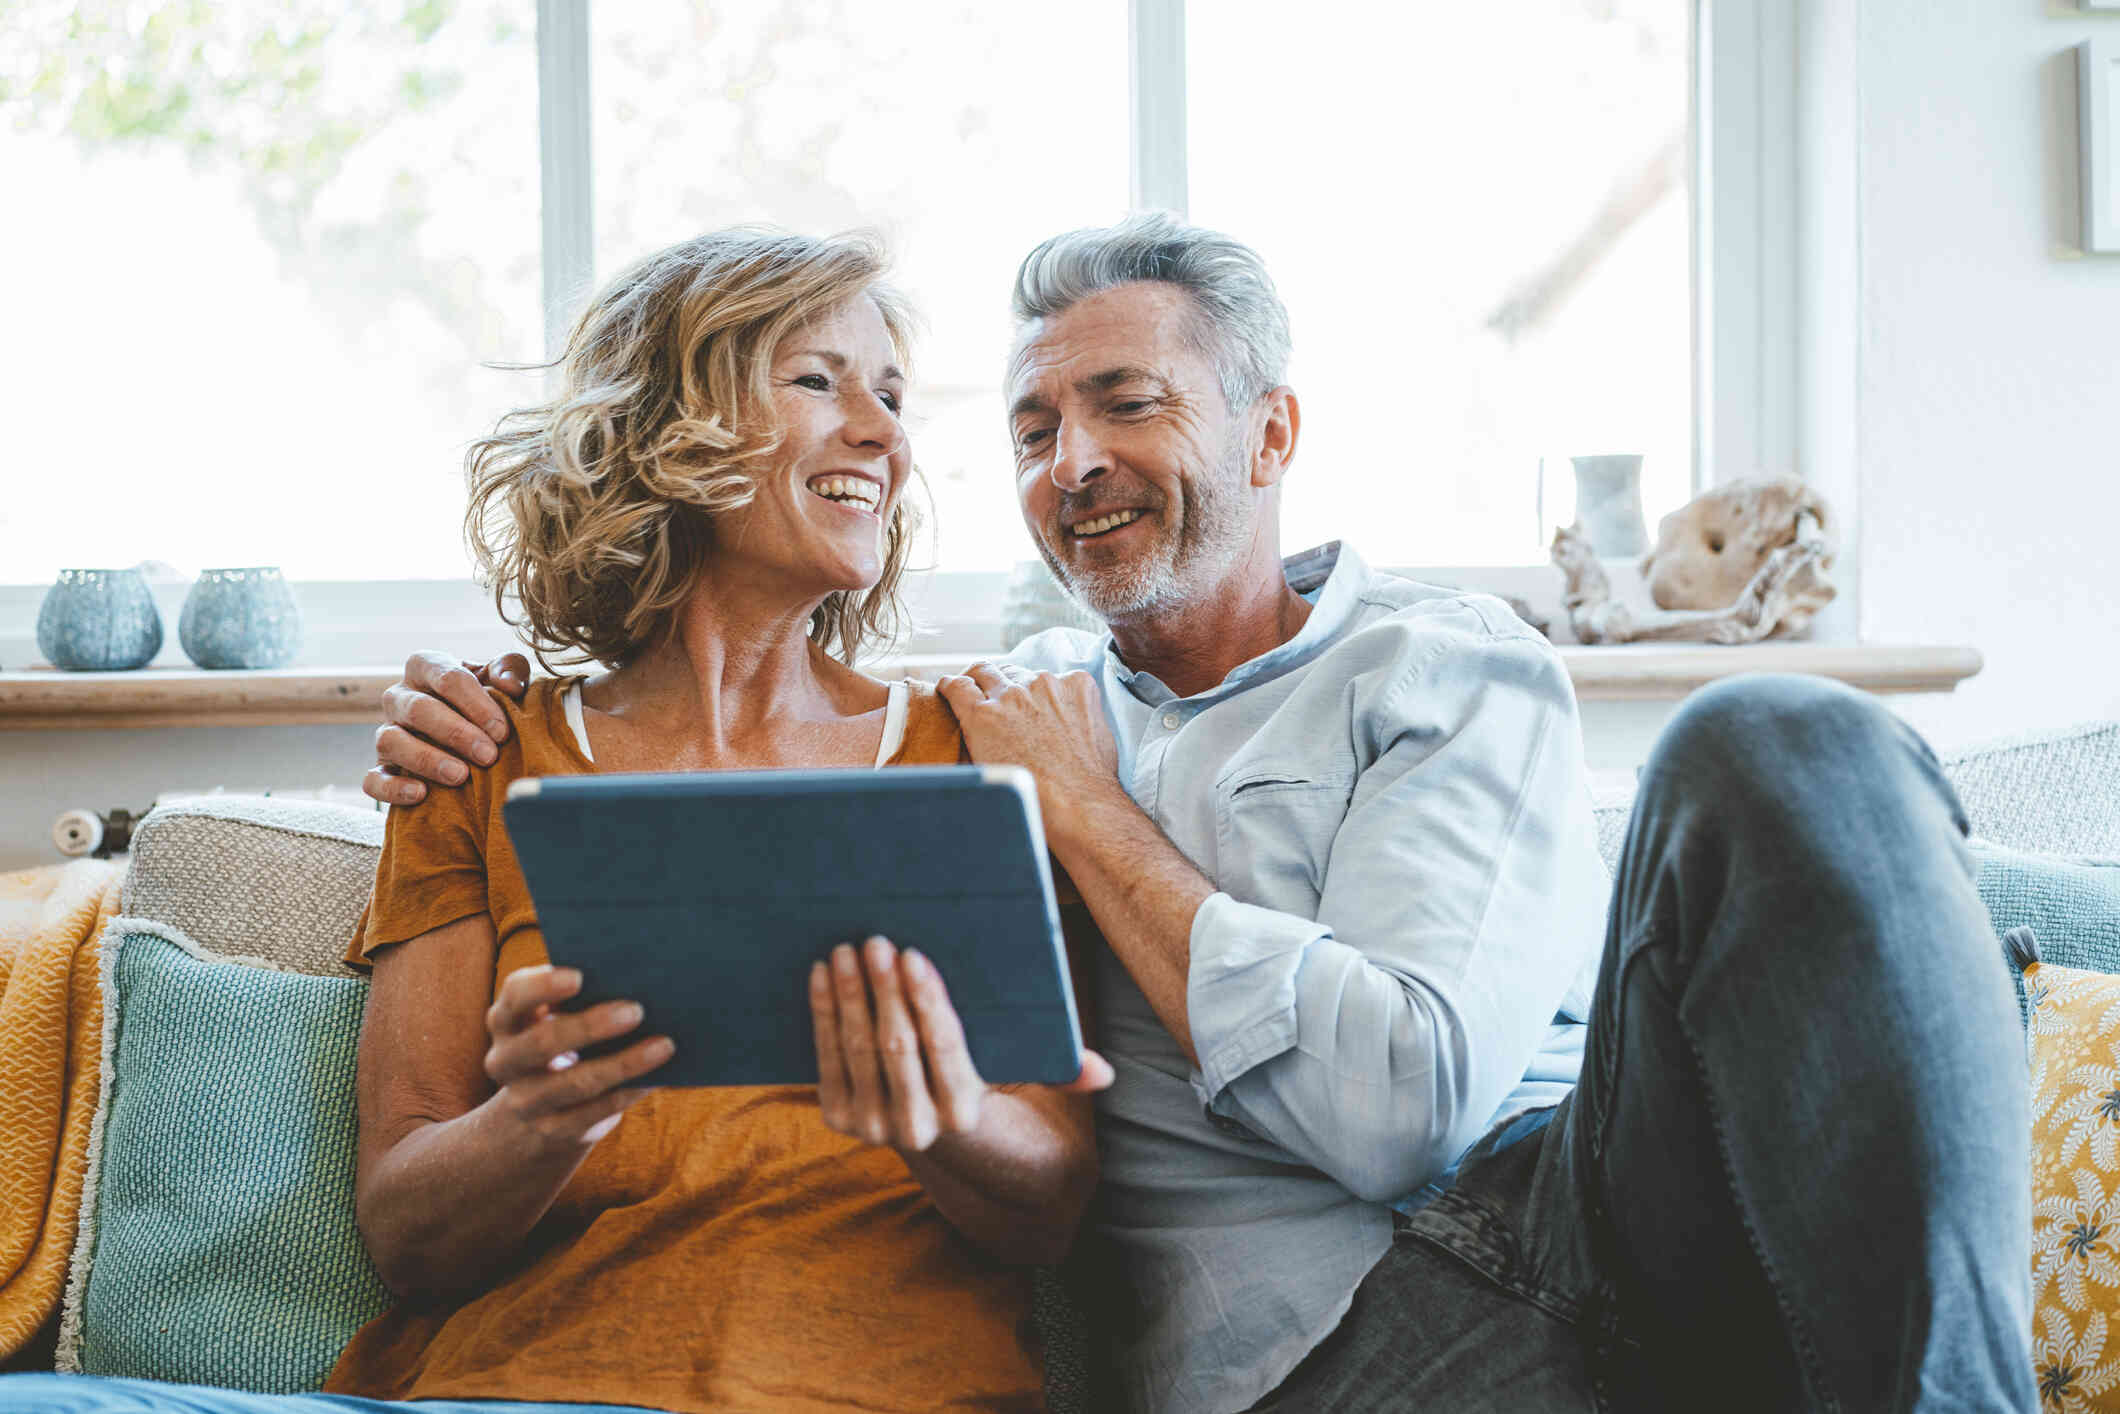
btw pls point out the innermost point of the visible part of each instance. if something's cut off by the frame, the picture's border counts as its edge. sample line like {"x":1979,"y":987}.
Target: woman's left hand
{"x":891,"y":1060}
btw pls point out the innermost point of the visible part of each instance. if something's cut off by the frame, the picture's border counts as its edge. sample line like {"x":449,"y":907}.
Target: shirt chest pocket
{"x":1274,"y":830}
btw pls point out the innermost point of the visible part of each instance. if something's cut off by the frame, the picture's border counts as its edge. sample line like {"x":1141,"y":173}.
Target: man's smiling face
{"x":1131,"y":468}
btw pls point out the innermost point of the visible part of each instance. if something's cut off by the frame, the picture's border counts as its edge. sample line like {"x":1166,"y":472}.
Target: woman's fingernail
{"x":453,"y":772}
{"x":485,"y":752}
{"x":661,"y":1048}
{"x":497,"y":729}
{"x":630,"y":1014}
{"x":915,"y":965}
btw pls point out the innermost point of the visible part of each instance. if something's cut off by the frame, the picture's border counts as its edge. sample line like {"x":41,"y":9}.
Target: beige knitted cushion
{"x":257,"y":876}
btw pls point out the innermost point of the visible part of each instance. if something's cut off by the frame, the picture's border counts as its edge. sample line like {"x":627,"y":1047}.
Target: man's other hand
{"x":1054,"y":724}
{"x":438,"y":718}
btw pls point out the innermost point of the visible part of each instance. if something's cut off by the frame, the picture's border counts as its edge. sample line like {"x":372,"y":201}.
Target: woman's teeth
{"x":849,"y":489}
{"x":1110,"y":522}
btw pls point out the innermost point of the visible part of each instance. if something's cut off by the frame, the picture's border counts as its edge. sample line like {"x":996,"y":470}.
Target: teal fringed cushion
{"x":218,"y":1244}
{"x":2071,"y":905}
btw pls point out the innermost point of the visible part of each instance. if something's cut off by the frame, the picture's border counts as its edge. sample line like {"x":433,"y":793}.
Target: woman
{"x":714,"y":501}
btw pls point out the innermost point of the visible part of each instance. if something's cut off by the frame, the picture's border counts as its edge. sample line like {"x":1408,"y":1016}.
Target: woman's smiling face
{"x":820,"y":515}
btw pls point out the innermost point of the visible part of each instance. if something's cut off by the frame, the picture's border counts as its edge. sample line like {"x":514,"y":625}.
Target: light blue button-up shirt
{"x":1394,"y":809}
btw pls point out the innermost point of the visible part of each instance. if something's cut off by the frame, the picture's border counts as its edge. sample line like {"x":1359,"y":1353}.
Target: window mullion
{"x":1156,"y":62}
{"x":1748,"y":210}
{"x":565,"y":178}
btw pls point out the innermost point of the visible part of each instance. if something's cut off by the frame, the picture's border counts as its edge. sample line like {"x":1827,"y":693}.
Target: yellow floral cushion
{"x":2074,"y":1020}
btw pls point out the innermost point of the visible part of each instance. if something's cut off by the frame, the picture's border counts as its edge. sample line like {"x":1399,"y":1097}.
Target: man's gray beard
{"x":1207,"y":544}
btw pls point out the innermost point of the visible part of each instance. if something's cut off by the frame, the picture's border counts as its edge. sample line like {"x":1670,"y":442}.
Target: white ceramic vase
{"x":1608,"y":504}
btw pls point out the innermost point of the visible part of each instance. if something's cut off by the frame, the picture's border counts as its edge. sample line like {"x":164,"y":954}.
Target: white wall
{"x":1988,"y":395}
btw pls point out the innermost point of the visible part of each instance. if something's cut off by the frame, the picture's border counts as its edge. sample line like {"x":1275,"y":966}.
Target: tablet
{"x":705,"y":897}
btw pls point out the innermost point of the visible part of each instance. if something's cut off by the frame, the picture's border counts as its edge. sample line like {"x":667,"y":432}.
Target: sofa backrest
{"x":2055,"y":792}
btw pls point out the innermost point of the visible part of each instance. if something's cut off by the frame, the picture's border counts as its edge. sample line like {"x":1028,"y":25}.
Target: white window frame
{"x":1775,"y":296}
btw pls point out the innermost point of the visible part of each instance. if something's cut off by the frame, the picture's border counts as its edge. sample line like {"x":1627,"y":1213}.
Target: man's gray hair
{"x":1243,"y":323}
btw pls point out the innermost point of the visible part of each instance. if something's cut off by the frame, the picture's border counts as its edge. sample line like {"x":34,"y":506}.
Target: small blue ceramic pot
{"x":99,"y":621}
{"x":243,"y":618}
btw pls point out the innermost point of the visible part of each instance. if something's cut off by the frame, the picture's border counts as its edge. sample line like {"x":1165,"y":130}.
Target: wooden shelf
{"x":44,"y":698}
{"x":1654,"y":672}
{"x":192,"y":697}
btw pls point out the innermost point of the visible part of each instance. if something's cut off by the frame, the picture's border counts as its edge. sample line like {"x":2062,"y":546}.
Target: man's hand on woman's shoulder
{"x":437,"y":721}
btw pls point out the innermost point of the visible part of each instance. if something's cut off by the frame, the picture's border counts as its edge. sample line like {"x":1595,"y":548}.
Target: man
{"x":1376,"y":1141}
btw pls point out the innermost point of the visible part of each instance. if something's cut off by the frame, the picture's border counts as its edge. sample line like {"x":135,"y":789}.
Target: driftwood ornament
{"x":1735,"y":565}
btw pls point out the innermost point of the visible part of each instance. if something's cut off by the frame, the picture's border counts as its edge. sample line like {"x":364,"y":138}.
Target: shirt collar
{"x":1332,"y":576}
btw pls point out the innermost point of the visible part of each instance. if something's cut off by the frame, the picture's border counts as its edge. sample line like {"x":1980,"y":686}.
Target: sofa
{"x":216,"y":1243}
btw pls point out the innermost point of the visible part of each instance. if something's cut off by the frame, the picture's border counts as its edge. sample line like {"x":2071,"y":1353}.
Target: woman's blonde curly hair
{"x":594,"y":511}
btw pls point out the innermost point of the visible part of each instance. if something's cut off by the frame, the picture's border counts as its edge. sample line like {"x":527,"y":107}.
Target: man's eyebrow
{"x":1125,"y":373}
{"x":837,"y":362}
{"x":1029,"y":402}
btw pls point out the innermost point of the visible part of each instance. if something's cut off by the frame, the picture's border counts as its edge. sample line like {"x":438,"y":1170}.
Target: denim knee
{"x":1781,"y":750}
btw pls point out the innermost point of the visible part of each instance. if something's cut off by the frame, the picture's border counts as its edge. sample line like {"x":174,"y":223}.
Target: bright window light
{"x":275,"y":245}
{"x":1478,"y":217}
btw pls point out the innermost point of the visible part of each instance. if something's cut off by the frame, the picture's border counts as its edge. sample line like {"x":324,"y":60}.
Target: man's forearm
{"x":1142,"y":892}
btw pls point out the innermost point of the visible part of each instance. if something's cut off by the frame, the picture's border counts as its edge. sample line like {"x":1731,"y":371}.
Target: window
{"x":287,"y":238}
{"x":1478,"y":218}
{"x":274,"y":245}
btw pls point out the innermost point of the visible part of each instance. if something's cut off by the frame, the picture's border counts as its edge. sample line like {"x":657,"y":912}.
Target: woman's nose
{"x":871,"y":423}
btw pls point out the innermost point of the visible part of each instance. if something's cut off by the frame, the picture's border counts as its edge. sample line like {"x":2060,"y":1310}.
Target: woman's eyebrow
{"x":838,"y":362}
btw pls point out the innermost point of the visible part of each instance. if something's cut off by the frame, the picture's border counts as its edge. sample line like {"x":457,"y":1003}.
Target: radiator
{"x":99,"y":834}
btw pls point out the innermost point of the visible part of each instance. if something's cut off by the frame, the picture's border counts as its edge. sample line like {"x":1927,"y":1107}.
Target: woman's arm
{"x":1011,"y":1169}
{"x":474,"y":1116}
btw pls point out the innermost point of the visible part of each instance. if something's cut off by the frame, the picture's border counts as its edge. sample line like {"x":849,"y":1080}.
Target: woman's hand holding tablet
{"x":891,"y":1059}
{"x":545,"y":1086}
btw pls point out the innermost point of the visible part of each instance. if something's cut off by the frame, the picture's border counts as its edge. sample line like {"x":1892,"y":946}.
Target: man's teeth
{"x":1110,"y":522}
{"x":848,"y":488}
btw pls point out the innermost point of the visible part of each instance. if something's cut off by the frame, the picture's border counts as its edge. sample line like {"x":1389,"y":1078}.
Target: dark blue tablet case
{"x":706,"y":897}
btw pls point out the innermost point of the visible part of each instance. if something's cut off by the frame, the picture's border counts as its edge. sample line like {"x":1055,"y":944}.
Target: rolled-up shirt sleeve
{"x":1461,"y":897}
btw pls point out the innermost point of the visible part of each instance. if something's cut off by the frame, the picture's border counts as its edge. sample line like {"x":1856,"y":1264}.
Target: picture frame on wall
{"x":2098,"y":98}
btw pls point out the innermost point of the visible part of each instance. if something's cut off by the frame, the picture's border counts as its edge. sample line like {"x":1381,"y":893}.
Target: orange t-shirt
{"x":721,"y":1249}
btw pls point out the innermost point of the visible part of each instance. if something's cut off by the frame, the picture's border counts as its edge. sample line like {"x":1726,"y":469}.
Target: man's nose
{"x":1078,"y":459}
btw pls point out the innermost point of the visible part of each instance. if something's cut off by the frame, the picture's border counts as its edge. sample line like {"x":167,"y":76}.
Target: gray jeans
{"x":1794,"y":1173}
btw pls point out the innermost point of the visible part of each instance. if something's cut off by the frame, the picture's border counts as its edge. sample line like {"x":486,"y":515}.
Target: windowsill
{"x":45,"y":698}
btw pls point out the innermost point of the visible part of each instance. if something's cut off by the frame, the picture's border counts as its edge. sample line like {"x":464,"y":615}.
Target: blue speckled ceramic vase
{"x":99,"y":621}
{"x":240,"y":618}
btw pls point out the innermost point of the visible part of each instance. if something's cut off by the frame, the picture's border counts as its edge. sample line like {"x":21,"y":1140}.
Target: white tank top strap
{"x":570,"y":701}
{"x":894,"y":714}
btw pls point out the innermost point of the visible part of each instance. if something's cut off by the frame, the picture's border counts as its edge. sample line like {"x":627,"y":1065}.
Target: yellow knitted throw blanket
{"x":51,"y":1056}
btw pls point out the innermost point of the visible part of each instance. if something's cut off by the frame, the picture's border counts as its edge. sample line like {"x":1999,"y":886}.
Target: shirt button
{"x":1171,"y":720}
